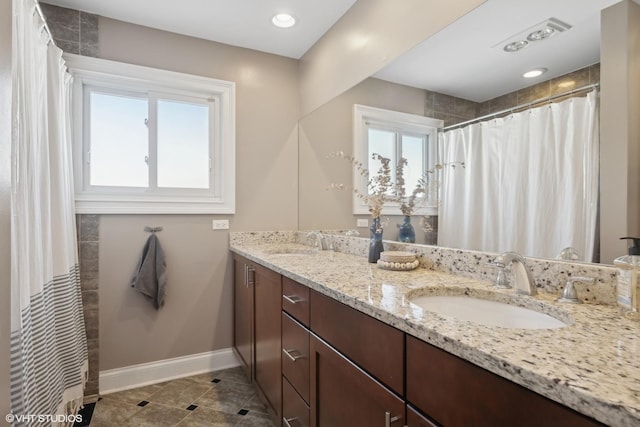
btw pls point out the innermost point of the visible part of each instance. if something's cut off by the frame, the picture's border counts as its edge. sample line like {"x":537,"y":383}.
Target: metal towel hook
{"x":152,"y":229}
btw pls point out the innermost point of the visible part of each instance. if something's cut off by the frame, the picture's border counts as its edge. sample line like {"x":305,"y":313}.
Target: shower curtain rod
{"x":521,"y":106}
{"x":44,"y":23}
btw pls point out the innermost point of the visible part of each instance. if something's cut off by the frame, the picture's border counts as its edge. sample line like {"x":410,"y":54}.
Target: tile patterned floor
{"x":223,"y":398}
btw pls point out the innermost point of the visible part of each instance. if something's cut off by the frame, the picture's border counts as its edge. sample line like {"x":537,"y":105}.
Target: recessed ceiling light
{"x":541,"y":34}
{"x":534,"y":73}
{"x":515,"y":46}
{"x":283,"y":20}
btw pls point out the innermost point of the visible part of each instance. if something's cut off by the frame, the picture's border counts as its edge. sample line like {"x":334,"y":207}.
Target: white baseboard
{"x":164,"y":370}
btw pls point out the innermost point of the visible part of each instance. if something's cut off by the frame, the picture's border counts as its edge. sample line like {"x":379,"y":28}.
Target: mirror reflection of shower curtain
{"x":530,"y":182}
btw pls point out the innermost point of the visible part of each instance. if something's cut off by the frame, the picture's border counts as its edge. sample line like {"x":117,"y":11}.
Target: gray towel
{"x":151,"y":275}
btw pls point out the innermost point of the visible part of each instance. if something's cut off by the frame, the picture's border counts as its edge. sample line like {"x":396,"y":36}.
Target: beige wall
{"x":369,"y":36}
{"x":5,"y":187}
{"x":329,"y":129}
{"x":620,"y":128}
{"x":196,"y":317}
{"x":197,"y":314}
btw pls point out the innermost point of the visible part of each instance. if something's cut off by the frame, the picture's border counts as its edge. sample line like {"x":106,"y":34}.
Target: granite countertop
{"x":592,"y":365}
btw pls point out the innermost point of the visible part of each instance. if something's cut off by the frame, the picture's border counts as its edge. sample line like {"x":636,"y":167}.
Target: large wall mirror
{"x":481,"y":91}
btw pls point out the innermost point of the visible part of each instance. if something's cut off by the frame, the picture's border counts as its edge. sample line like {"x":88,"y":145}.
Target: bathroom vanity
{"x":331,"y":340}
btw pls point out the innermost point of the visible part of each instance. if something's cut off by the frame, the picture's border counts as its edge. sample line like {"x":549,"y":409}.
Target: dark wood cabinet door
{"x":295,"y":412}
{"x":376,"y":347}
{"x":416,"y":419}
{"x":243,"y":313}
{"x":267,"y":333}
{"x":455,"y":392}
{"x":344,"y":395}
{"x":295,"y":355}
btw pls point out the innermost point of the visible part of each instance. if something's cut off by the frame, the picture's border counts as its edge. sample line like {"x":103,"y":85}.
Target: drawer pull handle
{"x":287,"y":422}
{"x":292,"y":299}
{"x":250,"y":275}
{"x":388,"y":419}
{"x":291,"y":356}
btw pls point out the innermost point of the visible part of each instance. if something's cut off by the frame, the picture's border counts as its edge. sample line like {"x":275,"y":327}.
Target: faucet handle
{"x":501,"y":281}
{"x":569,"y":294}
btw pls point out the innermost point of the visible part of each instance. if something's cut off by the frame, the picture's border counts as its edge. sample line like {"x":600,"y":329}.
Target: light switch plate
{"x":220,"y":224}
{"x":362,"y":223}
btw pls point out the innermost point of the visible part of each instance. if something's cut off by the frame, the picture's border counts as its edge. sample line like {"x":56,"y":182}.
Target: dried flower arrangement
{"x":380,"y":185}
{"x":407,"y":204}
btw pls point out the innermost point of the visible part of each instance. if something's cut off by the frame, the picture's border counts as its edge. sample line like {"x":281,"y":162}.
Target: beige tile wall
{"x":454,"y":110}
{"x":89,"y":248}
{"x":558,"y":85}
{"x":73,"y":31}
{"x":449,"y":109}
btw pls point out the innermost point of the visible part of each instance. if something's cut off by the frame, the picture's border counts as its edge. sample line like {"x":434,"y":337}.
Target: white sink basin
{"x":487,"y":313}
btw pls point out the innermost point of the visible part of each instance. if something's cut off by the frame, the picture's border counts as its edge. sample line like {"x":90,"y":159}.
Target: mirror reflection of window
{"x":396,"y":144}
{"x":396,"y":135}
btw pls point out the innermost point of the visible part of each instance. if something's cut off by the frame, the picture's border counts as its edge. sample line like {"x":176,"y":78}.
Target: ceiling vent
{"x":542,"y":31}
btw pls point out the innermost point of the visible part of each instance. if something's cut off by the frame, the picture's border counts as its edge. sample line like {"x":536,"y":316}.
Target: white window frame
{"x":363,"y":116}
{"x":117,"y":76}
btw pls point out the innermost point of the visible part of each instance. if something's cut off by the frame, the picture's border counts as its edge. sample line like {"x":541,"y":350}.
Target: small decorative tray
{"x":398,"y":266}
{"x":398,"y":260}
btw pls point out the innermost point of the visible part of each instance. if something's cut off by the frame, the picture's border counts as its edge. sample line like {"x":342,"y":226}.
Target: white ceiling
{"x":460,"y":60}
{"x":244,"y":23}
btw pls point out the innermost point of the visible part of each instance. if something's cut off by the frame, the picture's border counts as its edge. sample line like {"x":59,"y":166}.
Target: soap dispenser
{"x":628,"y":280}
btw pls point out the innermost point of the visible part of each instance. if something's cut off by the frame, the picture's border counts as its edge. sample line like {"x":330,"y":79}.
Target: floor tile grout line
{"x":172,"y":407}
{"x":233,"y":379}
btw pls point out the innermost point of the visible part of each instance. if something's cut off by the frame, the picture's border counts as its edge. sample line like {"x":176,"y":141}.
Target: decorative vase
{"x":407,"y":234}
{"x":375,"y":242}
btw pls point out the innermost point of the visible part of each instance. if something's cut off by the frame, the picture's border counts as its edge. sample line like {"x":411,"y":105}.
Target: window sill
{"x":360,"y":209}
{"x":137,"y":205}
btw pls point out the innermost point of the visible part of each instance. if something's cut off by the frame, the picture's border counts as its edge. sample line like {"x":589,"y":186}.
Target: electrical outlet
{"x":362,"y":223}
{"x":220,"y":224}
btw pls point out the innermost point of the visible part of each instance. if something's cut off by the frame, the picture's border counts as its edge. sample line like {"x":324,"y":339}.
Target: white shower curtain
{"x":48,"y":345}
{"x":530,"y":182}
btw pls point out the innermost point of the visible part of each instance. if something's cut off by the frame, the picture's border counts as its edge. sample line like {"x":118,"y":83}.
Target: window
{"x":151,"y":141}
{"x":395,"y":135}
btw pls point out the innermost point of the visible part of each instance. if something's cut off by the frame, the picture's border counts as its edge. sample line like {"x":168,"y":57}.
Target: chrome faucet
{"x":507,"y":258}
{"x":317,"y":235}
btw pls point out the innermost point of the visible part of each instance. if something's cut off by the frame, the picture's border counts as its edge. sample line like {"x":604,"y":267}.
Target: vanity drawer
{"x":374,"y":346}
{"x":295,"y":300}
{"x":295,"y":411}
{"x":295,"y":355}
{"x":456,"y":392}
